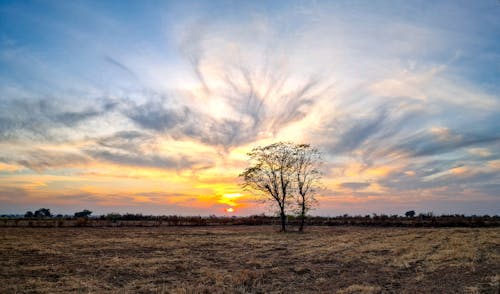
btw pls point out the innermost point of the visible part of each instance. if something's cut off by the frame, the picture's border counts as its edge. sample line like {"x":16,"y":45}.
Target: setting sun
{"x":230,"y":209}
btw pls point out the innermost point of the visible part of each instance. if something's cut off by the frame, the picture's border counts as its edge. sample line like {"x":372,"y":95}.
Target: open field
{"x":249,"y":259}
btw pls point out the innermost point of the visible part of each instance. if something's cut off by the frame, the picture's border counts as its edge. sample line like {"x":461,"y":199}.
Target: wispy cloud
{"x":42,"y":119}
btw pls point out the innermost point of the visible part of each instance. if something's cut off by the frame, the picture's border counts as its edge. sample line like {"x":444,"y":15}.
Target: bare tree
{"x":271,"y":175}
{"x":282,"y":172}
{"x":306,"y":179}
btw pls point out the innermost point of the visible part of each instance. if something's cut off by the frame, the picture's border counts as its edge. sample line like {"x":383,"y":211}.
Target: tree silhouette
{"x":271,"y":175}
{"x":283,"y":172}
{"x":84,"y":213}
{"x":410,"y":213}
{"x":43,"y":212}
{"x":307,"y":176}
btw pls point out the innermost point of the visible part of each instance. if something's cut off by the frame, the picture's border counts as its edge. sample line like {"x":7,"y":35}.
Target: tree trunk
{"x":283,"y":220}
{"x":302,"y":217}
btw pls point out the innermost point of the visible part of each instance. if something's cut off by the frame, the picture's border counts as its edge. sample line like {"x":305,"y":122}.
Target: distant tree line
{"x":45,"y":213}
{"x":40,"y":213}
{"x":84,"y":218}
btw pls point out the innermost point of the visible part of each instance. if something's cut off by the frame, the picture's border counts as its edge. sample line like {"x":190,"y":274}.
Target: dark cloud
{"x":12,"y":195}
{"x":274,"y":107}
{"x":429,"y":143}
{"x":134,"y":148}
{"x":72,"y":118}
{"x":492,"y":188}
{"x":130,"y":141}
{"x":426,"y":148}
{"x":120,"y":66}
{"x":404,"y":131}
{"x":368,"y":133}
{"x":137,"y":160}
{"x":354,"y":185}
{"x":336,"y":193}
{"x":359,"y":131}
{"x":40,"y":160}
{"x":7,"y":127}
{"x":156,"y":114}
{"x":438,"y":173}
{"x":130,"y":148}
{"x":37,"y":119}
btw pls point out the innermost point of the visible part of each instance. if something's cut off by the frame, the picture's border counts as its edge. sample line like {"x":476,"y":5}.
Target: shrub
{"x":85,"y":213}
{"x":410,"y":213}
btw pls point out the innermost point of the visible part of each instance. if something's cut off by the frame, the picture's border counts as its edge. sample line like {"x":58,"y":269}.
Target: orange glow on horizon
{"x":230,"y":198}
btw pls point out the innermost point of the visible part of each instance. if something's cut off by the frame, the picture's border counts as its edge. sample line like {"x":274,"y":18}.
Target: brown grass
{"x":249,"y":260}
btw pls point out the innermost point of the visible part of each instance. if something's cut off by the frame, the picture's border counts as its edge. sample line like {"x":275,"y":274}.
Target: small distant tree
{"x":410,"y":213}
{"x":307,"y":176}
{"x":83,"y":213}
{"x":28,"y":214}
{"x":43,"y":212}
{"x":271,"y":175}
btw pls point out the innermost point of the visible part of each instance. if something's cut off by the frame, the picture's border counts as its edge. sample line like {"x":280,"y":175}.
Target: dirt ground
{"x":237,"y":259}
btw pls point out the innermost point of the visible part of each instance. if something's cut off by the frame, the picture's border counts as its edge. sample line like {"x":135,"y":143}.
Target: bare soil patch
{"x":256,"y":259}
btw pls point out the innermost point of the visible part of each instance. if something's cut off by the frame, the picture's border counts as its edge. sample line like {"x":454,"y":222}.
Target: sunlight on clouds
{"x":35,"y":185}
{"x":397,"y":88}
{"x":444,"y":134}
{"x":379,"y":171}
{"x":4,"y":167}
{"x":483,"y":152}
{"x":36,"y":181}
{"x":170,"y":146}
{"x":230,"y":199}
{"x":433,"y":86}
{"x":360,"y":171}
{"x":410,"y":173}
{"x":459,"y":170}
{"x":495,"y":164}
{"x":99,"y":169}
{"x":142,"y":199}
{"x":353,"y":169}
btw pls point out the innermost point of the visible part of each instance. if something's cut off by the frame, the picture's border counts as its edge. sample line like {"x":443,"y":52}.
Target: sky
{"x":151,"y":106}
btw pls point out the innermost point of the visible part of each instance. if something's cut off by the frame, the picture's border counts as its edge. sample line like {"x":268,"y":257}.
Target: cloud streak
{"x":37,"y":119}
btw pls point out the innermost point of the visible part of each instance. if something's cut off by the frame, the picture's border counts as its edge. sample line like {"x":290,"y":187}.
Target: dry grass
{"x":249,"y":260}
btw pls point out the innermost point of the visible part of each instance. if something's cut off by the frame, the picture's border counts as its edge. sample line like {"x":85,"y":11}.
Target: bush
{"x":85,"y":213}
{"x":410,"y":213}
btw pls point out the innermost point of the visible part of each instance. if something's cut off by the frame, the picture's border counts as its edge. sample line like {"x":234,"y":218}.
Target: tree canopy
{"x":283,"y":172}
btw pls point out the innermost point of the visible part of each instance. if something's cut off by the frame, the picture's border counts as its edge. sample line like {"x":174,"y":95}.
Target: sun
{"x":230,"y":209}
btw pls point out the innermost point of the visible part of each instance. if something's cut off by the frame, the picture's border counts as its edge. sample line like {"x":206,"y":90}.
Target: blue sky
{"x":150,"y":106}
